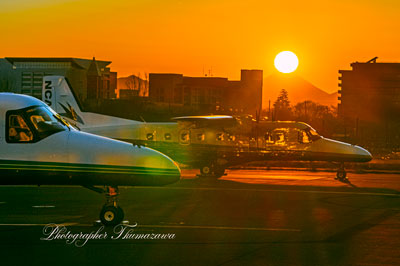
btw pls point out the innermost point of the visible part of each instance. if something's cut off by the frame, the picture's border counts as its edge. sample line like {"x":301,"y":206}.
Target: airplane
{"x":38,"y":147}
{"x":209,"y":143}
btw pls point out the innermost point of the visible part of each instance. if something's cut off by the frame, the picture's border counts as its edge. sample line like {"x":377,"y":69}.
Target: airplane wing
{"x":207,"y":121}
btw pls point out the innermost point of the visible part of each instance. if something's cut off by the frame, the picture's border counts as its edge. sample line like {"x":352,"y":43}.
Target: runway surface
{"x":249,"y":217}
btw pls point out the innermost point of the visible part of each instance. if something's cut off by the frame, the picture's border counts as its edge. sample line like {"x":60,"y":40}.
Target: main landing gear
{"x":212,"y":170}
{"x":111,"y":214}
{"x":341,"y":174}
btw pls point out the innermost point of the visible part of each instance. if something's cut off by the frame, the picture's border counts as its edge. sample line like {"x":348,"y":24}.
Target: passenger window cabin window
{"x":185,"y":137}
{"x":220,"y":136}
{"x":18,"y":130}
{"x":268,"y":138}
{"x":167,"y":136}
{"x":150,"y":136}
{"x":279,"y":138}
{"x":200,"y":137}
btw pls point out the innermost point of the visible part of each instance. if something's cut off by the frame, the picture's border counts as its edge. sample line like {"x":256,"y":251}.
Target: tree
{"x":135,"y":82}
{"x":321,"y":117}
{"x":282,"y":109}
{"x":145,"y":85}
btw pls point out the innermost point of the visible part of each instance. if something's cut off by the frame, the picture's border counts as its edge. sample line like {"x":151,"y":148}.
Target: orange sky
{"x":187,"y":36}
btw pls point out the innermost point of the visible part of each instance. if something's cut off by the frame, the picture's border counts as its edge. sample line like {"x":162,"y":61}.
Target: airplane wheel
{"x":111,"y":215}
{"x":341,"y":175}
{"x":205,"y":170}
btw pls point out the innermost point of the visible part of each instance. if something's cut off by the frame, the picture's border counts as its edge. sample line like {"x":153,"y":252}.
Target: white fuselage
{"x":204,"y":139}
{"x":68,"y":156}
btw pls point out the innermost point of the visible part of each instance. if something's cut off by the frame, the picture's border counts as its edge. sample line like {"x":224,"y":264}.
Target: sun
{"x":286,"y":62}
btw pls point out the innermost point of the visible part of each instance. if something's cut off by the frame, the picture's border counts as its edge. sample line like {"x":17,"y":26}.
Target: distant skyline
{"x":189,"y":36}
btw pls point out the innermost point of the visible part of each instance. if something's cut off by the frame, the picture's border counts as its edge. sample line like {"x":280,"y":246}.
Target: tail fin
{"x":57,"y":93}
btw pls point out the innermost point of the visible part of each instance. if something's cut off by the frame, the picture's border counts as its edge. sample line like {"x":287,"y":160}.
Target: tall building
{"x":251,"y":90}
{"x":370,"y":91}
{"x":166,"y":88}
{"x":208,"y":93}
{"x":90,"y":79}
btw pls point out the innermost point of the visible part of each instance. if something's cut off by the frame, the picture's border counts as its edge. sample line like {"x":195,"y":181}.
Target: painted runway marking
{"x":218,"y":228}
{"x":275,"y":190}
{"x":66,"y":224}
{"x":210,"y":227}
{"x":44,"y":206}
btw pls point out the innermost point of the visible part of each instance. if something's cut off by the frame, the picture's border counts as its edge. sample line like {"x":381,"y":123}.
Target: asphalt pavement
{"x":248,"y":217}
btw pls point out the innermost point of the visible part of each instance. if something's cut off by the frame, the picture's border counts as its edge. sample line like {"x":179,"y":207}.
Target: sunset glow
{"x":192,"y":37}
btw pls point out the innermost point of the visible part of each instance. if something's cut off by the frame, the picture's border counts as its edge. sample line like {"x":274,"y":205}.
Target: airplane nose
{"x":363,"y":154}
{"x":160,"y":169}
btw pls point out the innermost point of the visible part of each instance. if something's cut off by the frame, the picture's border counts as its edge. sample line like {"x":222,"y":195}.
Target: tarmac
{"x":248,"y":217}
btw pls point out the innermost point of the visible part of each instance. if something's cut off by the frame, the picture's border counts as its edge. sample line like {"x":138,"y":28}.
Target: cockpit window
{"x":313,"y":134}
{"x":276,"y":137}
{"x":308,"y":135}
{"x":18,"y":130}
{"x":44,"y":121}
{"x":279,"y":137}
{"x":33,"y":124}
{"x":303,"y":137}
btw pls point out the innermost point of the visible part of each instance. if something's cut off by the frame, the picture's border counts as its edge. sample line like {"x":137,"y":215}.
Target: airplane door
{"x":184,"y":137}
{"x":1,"y":133}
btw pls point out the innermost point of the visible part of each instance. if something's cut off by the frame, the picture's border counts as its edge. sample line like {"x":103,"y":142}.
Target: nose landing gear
{"x":212,"y":170}
{"x":111,"y":213}
{"x":341,"y":174}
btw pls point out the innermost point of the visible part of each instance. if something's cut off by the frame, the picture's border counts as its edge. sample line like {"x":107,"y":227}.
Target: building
{"x":126,"y":94}
{"x":166,"y":88}
{"x":208,"y":93}
{"x":90,"y":79}
{"x":370,"y":92}
{"x":250,"y":94}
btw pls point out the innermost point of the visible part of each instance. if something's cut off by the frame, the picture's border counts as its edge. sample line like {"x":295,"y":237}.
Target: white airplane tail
{"x":58,"y":95}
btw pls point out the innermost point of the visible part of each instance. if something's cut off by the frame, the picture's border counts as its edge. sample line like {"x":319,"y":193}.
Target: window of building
{"x":178,"y":94}
{"x":186,"y":96}
{"x":56,"y":65}
{"x":161,"y":97}
{"x":32,"y":83}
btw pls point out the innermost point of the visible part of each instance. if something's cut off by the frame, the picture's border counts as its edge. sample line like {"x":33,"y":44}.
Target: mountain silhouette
{"x":299,"y":90}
